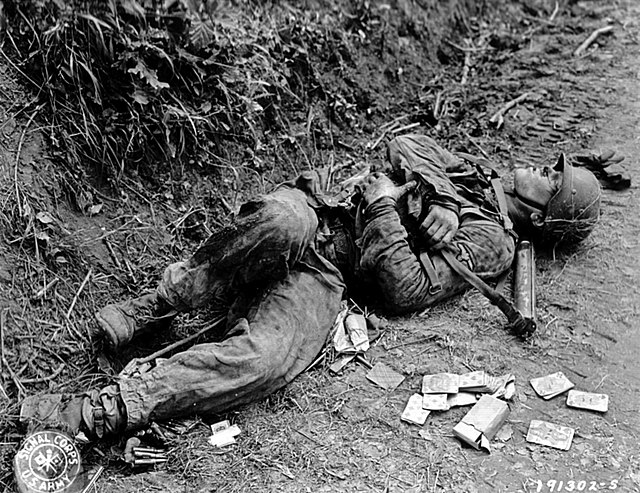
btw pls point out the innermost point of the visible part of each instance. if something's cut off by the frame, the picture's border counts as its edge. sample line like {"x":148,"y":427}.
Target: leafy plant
{"x":141,"y":85}
{"x":129,"y":81}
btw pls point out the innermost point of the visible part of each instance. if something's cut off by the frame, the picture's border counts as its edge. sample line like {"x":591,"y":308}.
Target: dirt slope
{"x":341,"y":433}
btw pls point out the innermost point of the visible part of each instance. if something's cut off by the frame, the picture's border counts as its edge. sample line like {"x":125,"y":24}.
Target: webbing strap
{"x":496,"y":184}
{"x":502,"y":200}
{"x":435,"y":286}
{"x":98,"y":421}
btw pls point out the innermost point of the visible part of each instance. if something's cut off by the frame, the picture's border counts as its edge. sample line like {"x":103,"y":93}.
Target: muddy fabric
{"x":268,"y":238}
{"x":392,"y":248}
{"x":443,"y":179}
{"x":282,"y":299}
{"x":483,"y":245}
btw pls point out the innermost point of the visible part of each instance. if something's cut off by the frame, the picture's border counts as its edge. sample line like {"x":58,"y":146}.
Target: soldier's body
{"x":279,"y":274}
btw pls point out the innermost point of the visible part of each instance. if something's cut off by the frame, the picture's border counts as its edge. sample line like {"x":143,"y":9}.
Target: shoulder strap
{"x":502,"y":200}
{"x":496,"y":185}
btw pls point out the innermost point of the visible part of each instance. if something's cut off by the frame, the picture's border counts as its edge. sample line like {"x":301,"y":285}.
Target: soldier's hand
{"x":439,"y":227}
{"x":378,"y":185}
{"x":596,"y":162}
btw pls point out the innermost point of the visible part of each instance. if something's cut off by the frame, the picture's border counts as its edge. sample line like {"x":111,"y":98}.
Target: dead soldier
{"x":280,"y":272}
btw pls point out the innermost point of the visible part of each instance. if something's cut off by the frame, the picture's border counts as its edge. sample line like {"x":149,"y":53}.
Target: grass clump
{"x":128,"y":83}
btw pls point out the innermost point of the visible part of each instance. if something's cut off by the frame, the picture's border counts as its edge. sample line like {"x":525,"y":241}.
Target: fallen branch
{"x":594,"y":35}
{"x":498,"y":116}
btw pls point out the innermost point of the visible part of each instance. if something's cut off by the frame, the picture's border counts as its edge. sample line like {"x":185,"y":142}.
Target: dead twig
{"x":318,"y":360}
{"x":554,"y":13}
{"x":468,"y":48}
{"x":477,"y":146}
{"x":309,"y":437}
{"x":47,"y":378}
{"x":17,"y":69}
{"x":498,"y":116}
{"x":465,"y":68}
{"x":42,"y":292}
{"x":112,"y":253}
{"x":592,"y":37}
{"x":93,"y":480}
{"x":405,"y":128}
{"x":467,"y":64}
{"x":18,"y":152}
{"x":377,"y":142}
{"x":600,"y":383}
{"x":21,"y":390}
{"x":389,"y":127}
{"x":393,"y":123}
{"x":4,"y":392}
{"x":3,"y":316}
{"x":75,"y":298}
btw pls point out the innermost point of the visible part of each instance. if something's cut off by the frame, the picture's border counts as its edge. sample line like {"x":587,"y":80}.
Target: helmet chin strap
{"x":529,"y":203}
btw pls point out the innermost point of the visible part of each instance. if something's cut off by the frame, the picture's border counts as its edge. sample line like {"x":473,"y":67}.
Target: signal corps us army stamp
{"x":49,"y":461}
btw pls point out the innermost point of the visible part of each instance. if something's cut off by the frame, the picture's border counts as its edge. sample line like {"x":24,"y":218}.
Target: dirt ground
{"x":327,"y":433}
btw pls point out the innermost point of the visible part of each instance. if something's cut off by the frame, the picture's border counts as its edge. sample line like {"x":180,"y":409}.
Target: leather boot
{"x":95,"y":413}
{"x":120,"y":322}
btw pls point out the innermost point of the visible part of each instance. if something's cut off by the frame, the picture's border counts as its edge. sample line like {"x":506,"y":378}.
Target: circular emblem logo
{"x":47,"y":461}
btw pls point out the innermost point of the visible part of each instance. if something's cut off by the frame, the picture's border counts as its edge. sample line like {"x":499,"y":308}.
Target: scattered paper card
{"x":588,"y":400}
{"x":549,"y":434}
{"x":503,"y":387}
{"x":435,"y":402}
{"x":461,"y":399}
{"x":225,"y":436}
{"x":221,"y":425}
{"x":356,"y":326}
{"x":483,"y":383}
{"x":413,"y":412}
{"x":341,"y":341}
{"x":551,"y":385}
{"x":482,"y":422}
{"x":473,"y":381}
{"x":440,"y":383}
{"x":384,"y":376}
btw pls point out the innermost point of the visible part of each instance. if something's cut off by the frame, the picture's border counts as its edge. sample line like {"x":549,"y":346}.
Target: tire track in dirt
{"x":597,"y":318}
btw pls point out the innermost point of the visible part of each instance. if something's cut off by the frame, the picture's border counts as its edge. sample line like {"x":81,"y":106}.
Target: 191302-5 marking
{"x":555,"y":485}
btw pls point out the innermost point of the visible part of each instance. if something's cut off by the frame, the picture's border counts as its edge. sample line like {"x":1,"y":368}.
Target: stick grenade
{"x":520,"y":325}
{"x":524,"y":289}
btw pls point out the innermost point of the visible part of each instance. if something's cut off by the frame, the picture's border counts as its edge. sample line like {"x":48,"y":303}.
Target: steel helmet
{"x":572,"y":213}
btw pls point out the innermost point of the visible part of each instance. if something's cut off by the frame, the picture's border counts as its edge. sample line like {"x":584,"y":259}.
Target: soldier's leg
{"x":281,"y":333}
{"x":268,"y":237}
